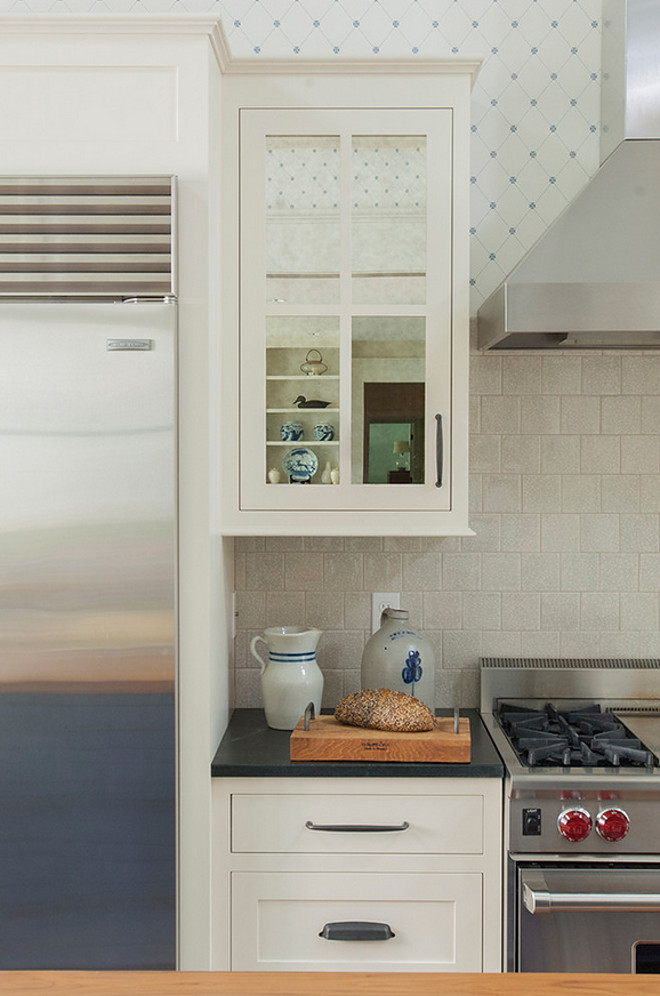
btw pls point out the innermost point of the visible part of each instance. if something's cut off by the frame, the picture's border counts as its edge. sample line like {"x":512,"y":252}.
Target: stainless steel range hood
{"x":593,"y":279}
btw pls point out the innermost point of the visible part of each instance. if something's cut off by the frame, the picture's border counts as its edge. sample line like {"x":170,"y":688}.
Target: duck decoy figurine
{"x":302,"y":402}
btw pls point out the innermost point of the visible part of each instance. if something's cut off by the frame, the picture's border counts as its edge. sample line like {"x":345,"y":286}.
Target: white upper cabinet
{"x":345,"y":364}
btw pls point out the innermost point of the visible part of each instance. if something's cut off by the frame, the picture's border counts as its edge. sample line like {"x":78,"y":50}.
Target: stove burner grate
{"x":589,"y":737}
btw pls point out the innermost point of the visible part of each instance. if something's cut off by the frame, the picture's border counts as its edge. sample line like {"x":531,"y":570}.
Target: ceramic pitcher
{"x":397,"y":657}
{"x":291,"y":678}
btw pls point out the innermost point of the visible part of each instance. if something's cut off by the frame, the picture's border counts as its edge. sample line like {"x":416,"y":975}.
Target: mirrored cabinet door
{"x":346,"y":309}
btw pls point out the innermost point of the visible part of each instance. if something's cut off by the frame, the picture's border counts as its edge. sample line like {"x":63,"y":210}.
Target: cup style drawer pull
{"x":356,"y":930}
{"x":356,"y":827}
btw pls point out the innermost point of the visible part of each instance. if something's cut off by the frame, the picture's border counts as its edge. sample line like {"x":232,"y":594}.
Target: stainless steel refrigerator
{"x":87,"y":610}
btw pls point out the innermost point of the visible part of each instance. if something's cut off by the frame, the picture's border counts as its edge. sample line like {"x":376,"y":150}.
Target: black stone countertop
{"x":250,"y":749}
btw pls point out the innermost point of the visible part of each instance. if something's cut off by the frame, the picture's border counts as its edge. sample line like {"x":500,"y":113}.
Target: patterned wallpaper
{"x":535,"y":106}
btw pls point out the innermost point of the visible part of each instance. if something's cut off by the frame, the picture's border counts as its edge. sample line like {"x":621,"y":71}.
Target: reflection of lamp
{"x":400,"y":449}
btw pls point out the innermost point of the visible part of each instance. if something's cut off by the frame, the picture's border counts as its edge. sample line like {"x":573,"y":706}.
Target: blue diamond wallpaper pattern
{"x":535,"y":105}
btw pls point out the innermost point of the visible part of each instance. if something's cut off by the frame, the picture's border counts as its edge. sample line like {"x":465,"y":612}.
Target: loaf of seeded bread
{"x":384,"y":709}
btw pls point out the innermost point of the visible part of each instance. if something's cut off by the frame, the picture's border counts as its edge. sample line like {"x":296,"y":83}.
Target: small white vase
{"x":326,"y":477}
{"x":274,"y":476}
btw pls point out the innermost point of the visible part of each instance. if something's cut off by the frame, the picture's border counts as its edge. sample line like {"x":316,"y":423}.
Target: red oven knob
{"x":574,"y":824}
{"x":612,"y":824}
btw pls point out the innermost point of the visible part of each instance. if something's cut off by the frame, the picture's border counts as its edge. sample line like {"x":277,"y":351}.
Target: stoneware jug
{"x":397,"y":657}
{"x":291,"y":678}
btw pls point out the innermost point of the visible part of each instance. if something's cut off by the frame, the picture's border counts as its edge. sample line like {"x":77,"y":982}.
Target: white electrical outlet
{"x":381,"y":600}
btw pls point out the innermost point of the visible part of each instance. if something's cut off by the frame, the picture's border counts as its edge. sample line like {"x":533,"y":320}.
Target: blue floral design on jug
{"x":413,"y":670}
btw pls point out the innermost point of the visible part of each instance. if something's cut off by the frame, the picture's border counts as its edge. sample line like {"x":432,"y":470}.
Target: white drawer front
{"x":447,"y":824}
{"x":278,"y":917}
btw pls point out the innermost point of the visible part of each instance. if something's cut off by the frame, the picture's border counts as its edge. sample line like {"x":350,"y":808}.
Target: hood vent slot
{"x":86,"y":237}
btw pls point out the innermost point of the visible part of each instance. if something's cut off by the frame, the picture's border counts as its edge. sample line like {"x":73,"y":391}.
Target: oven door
{"x":588,"y":918}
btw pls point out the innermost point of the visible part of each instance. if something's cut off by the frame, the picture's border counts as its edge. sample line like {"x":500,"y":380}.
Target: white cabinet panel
{"x":435,"y":921}
{"x":440,"y":824}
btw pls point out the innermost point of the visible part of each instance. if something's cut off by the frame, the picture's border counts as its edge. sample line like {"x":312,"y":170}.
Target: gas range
{"x":581,"y":742}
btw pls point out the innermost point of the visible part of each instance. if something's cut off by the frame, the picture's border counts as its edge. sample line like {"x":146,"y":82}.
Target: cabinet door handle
{"x":439,"y":447}
{"x":356,"y":827}
{"x":356,"y":930}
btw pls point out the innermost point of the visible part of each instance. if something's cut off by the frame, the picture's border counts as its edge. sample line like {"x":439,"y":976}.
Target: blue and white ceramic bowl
{"x":300,"y":464}
{"x":291,"y":432}
{"x":324,"y":431}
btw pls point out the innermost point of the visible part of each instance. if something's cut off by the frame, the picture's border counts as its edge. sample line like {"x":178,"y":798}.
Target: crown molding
{"x":211,"y":27}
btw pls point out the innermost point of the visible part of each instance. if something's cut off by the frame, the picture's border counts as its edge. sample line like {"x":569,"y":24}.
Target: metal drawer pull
{"x":356,"y":930}
{"x":438,"y":451}
{"x":356,"y":827}
{"x":594,"y":902}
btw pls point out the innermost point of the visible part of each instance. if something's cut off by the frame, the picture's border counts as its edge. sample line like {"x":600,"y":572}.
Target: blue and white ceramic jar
{"x":324,"y":431}
{"x":291,"y":432}
{"x":398,"y":658}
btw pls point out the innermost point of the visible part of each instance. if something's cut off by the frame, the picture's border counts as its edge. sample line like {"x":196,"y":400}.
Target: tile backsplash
{"x":565,"y":560}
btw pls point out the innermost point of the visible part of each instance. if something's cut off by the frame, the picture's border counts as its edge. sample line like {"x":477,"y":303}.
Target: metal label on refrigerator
{"x":115,"y":344}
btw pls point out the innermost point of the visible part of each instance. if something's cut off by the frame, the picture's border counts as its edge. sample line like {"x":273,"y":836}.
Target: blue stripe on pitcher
{"x":275,"y":656}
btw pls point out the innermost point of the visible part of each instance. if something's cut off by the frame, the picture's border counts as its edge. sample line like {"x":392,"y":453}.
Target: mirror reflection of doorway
{"x":393,"y":433}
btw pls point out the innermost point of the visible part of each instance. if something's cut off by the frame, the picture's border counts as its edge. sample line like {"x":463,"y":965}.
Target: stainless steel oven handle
{"x":537,"y":898}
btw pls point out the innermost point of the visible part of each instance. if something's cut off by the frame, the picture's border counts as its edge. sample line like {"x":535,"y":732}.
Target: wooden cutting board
{"x":328,"y":740}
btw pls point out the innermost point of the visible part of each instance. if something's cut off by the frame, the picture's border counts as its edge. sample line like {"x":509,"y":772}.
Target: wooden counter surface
{"x":320,"y":984}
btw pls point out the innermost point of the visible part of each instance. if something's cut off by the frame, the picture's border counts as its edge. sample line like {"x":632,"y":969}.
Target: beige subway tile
{"x":649,"y":571}
{"x":640,"y":454}
{"x":421,"y":571}
{"x":333,"y":688}
{"x":579,"y":571}
{"x":482,"y":610}
{"x":580,"y":415}
{"x":264,"y":571}
{"x":285,"y":608}
{"x":324,"y":610}
{"x":339,"y":649}
{"x":304,"y":571}
{"x":475,"y":493}
{"x":521,"y":610}
{"x":620,"y":493}
{"x":639,"y":610}
{"x":461,"y":649}
{"x":601,"y":374}
{"x":461,"y":571}
{"x":649,"y":644}
{"x":486,"y":526}
{"x":323,"y":544}
{"x":561,"y":375}
{"x":650,"y":415}
{"x":485,"y":373}
{"x":247,"y":690}
{"x":599,"y":533}
{"x":501,"y":493}
{"x":357,"y":610}
{"x":474,"y":411}
{"x":500,"y":572}
{"x":640,"y":533}
{"x":500,"y":414}
{"x":640,"y":374}
{"x":618,"y":572}
{"x":581,"y":493}
{"x":540,"y":644}
{"x":250,"y":609}
{"x":649,"y":493}
{"x":560,"y":611}
{"x":579,"y":644}
{"x":342,"y":571}
{"x":485,"y":453}
{"x":249,"y":544}
{"x":239,"y":571}
{"x":521,"y":454}
{"x":275,"y":544}
{"x":351,"y":682}
{"x":599,"y":610}
{"x":600,"y":454}
{"x":521,"y":374}
{"x":413,"y":603}
{"x":540,"y":571}
{"x":560,"y":454}
{"x":539,"y":415}
{"x":560,"y":533}
{"x":362,"y":544}
{"x":621,"y":415}
{"x":541,"y":492}
{"x":382,"y":572}
{"x":520,"y":533}
{"x":442,"y":610}
{"x":501,"y":643}
{"x":402,"y":544}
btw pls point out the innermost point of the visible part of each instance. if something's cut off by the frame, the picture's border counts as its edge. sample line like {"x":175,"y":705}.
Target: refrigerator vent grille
{"x":108,"y":237}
